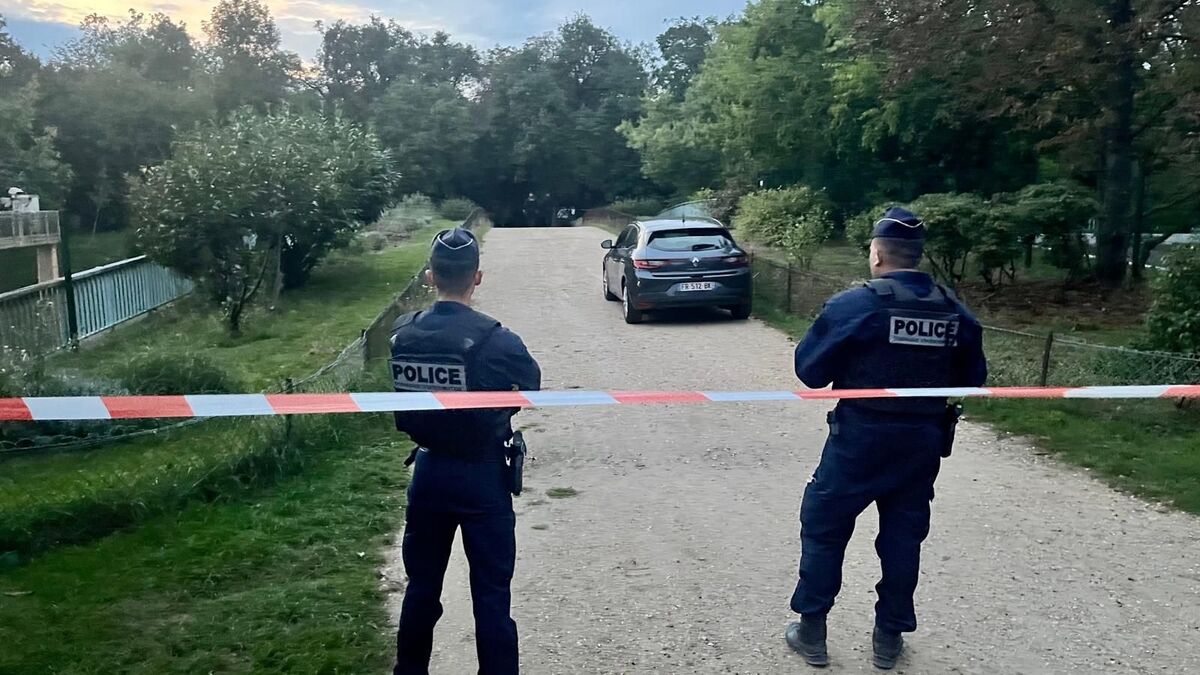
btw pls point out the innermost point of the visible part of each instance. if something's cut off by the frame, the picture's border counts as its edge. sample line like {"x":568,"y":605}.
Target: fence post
{"x":69,"y":288}
{"x":789,"y":287}
{"x":1046,"y":360}
{"x":287,"y":419}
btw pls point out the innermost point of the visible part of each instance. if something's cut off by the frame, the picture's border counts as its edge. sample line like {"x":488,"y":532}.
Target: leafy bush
{"x":166,"y":374}
{"x":22,"y":374}
{"x":644,"y":206}
{"x":1174,"y":318}
{"x":417,"y":203}
{"x":952,"y":222}
{"x":723,"y":204}
{"x":414,"y":212}
{"x":859,"y":228}
{"x":996,"y":247}
{"x":1055,"y":212}
{"x":256,"y":196}
{"x":795,"y":219}
{"x":374,"y":241}
{"x":456,"y":209}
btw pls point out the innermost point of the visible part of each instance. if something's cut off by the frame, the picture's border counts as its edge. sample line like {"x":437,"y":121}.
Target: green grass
{"x":308,"y":328}
{"x":47,"y":499}
{"x":1148,"y":448}
{"x":283,"y":580}
{"x":562,"y":493}
{"x":18,"y":267}
{"x":54,"y":498}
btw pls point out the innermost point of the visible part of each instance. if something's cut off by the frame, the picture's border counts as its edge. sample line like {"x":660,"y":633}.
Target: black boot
{"x":887,"y":647}
{"x":807,"y":637}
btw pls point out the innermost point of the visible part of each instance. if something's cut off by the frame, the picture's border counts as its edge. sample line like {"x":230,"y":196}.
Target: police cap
{"x":899,"y":223}
{"x":456,"y":248}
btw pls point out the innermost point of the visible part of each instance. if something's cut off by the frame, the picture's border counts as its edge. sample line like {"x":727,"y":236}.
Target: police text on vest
{"x":414,"y":376}
{"x":923,"y":332}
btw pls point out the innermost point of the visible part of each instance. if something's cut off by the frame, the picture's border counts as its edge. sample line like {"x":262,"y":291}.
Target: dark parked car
{"x":661,"y":264}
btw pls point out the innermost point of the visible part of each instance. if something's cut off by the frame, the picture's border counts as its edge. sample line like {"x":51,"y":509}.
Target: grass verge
{"x":49,"y":499}
{"x":308,"y":328}
{"x":1147,"y":448}
{"x":282,"y":580}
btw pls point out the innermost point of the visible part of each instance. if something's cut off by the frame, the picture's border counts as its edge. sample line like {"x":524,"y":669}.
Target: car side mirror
{"x":606,"y":244}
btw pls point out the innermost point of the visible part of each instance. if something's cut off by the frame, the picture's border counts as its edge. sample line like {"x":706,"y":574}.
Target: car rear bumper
{"x":657,"y":293}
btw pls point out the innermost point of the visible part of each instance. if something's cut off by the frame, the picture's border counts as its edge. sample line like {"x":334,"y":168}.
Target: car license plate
{"x":697,"y":286}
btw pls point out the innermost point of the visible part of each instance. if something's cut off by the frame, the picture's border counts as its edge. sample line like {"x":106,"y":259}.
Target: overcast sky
{"x":40,"y":25}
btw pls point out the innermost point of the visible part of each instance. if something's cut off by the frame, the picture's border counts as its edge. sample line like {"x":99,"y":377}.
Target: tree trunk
{"x":1112,"y":236}
{"x":277,"y":286}
{"x":1139,"y":222}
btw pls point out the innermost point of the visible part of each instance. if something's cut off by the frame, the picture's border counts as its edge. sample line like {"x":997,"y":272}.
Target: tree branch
{"x":1180,"y":199}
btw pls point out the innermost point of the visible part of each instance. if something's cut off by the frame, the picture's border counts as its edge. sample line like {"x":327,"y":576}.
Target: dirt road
{"x":678,"y":553}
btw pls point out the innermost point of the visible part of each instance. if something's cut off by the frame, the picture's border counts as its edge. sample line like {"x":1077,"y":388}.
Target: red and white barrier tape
{"x":257,"y":405}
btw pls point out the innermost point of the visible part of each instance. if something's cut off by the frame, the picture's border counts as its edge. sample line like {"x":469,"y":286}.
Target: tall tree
{"x":758,"y":106}
{"x":250,"y":67}
{"x":1075,"y":71}
{"x":682,"y":49}
{"x":28,"y":158}
{"x":431,"y":130}
{"x":359,"y":62}
{"x":116,"y":95}
{"x":17,"y":66}
{"x":549,"y":111}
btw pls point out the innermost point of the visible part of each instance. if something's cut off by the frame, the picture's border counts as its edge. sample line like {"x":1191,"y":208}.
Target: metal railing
{"x":111,"y":294}
{"x":34,"y":318}
{"x":366,"y":354}
{"x":38,"y":228}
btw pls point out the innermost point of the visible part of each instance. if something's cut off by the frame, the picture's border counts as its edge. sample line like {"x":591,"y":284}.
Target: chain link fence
{"x":1015,"y":358}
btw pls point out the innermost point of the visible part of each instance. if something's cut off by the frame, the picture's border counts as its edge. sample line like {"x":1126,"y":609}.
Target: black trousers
{"x":447,"y":494}
{"x":888,"y":463}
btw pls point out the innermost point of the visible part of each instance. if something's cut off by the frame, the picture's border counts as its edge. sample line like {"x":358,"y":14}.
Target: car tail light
{"x":736,"y":260}
{"x":650,"y":264}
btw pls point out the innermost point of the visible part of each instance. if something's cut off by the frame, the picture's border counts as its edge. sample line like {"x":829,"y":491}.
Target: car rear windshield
{"x":709,"y":239}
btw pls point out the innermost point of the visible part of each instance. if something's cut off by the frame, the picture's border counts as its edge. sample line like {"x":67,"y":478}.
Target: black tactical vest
{"x":444,"y":360}
{"x":914,"y":348}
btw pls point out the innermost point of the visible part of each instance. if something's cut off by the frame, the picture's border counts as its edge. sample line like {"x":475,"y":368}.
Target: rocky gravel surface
{"x":677,"y":552}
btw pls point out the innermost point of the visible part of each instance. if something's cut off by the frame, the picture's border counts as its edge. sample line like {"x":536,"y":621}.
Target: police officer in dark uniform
{"x":900,"y":330}
{"x":463,"y":476}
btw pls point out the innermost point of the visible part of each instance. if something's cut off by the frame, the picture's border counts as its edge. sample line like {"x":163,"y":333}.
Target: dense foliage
{"x":793,"y":219}
{"x":1067,"y":126}
{"x":1174,"y":320}
{"x":284,"y":190}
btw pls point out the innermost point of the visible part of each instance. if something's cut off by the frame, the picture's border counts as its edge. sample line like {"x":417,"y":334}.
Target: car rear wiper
{"x":704,"y":247}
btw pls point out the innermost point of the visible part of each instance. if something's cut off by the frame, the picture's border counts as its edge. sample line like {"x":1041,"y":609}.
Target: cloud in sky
{"x":484,"y":23}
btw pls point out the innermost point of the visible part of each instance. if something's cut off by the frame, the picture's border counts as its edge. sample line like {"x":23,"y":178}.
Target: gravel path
{"x":678,"y":553}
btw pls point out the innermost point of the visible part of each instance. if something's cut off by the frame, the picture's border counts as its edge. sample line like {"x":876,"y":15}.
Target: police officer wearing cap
{"x":462,"y":478}
{"x":900,"y":330}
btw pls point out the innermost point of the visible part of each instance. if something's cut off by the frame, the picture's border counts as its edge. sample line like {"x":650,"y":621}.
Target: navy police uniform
{"x":461,"y":478}
{"x":900,"y":330}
